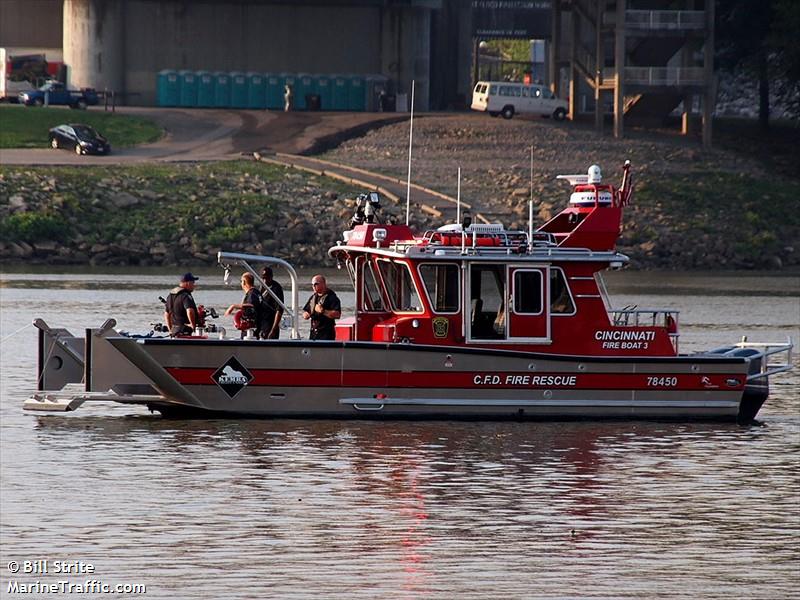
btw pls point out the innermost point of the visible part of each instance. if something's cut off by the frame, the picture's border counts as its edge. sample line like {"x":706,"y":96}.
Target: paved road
{"x":218,"y":134}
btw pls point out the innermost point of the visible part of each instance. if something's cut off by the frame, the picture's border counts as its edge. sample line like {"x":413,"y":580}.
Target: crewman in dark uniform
{"x":271,"y":312}
{"x":250,"y":304}
{"x":323,"y":308}
{"x":180,"y":312}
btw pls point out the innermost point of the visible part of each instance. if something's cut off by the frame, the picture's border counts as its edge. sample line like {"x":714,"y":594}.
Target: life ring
{"x":241,"y":322}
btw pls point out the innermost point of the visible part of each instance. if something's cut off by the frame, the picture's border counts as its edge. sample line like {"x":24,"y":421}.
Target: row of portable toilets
{"x":266,"y":90}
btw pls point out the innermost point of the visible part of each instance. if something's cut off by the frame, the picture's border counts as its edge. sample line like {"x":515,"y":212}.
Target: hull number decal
{"x":662,"y":381}
{"x":232,"y":377}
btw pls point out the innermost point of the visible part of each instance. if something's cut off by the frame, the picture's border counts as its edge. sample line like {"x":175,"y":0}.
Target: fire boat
{"x":469,"y":321}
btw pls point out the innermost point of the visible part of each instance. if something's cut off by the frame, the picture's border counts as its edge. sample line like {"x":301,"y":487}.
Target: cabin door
{"x":528,"y":306}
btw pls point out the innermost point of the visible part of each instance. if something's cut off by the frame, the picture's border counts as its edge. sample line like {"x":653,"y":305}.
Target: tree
{"x":761,"y":37}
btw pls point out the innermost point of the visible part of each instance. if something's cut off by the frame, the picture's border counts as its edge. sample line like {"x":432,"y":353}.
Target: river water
{"x":348,"y":509}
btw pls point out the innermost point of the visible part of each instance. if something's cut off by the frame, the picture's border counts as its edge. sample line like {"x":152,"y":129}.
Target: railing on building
{"x":665,"y":19}
{"x":664,"y":76}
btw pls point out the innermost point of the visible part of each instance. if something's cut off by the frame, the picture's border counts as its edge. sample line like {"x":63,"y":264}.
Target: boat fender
{"x":241,"y":322}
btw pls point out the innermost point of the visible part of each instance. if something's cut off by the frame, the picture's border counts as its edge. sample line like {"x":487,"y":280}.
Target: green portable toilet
{"x":304,"y":85}
{"x":256,"y":90}
{"x":238,"y":89}
{"x":168,"y":88}
{"x":340,"y":92}
{"x":222,"y":89}
{"x":289,"y":79}
{"x":357,"y":93}
{"x":188,"y":88}
{"x":273,"y":91}
{"x":205,"y":89}
{"x":322,"y":88}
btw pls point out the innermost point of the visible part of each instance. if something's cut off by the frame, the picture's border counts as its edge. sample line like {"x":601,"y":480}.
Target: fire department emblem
{"x":440,"y":327}
{"x":232,"y":377}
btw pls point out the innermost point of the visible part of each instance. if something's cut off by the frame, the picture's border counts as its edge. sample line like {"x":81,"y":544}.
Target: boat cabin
{"x":482,"y":285}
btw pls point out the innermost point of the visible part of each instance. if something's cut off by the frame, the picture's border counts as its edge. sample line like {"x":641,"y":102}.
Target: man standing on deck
{"x":180,"y":312}
{"x":323,"y":308}
{"x":271,"y":312}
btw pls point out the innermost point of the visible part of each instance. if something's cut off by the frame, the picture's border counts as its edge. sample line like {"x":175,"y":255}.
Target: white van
{"x":507,"y":99}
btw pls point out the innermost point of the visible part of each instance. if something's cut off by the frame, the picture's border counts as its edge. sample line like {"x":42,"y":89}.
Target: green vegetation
{"x":722,"y":218}
{"x":27,"y":127}
{"x":164,"y":213}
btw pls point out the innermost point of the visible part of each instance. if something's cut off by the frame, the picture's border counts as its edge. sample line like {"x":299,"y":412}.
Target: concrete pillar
{"x":599,"y":61}
{"x":573,"y":71}
{"x":555,"y":49}
{"x":619,"y":65}
{"x":94,"y":44}
{"x":708,"y":75}
{"x":406,"y":50}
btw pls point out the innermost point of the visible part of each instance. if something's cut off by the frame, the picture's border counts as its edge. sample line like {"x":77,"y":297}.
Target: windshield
{"x":85,"y":132}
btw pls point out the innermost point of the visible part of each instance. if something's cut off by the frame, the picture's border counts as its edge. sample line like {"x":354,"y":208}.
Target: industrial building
{"x":636,"y":59}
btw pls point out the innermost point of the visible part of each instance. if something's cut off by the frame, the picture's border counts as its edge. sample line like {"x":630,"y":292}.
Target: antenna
{"x":530,"y":210}
{"x":458,"y":198}
{"x":410,"y":141}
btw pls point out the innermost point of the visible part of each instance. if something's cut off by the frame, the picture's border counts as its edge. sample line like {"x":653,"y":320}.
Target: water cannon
{"x":367,"y":206}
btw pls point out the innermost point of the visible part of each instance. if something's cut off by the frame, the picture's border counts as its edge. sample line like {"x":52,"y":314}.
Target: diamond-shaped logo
{"x":232,"y":376}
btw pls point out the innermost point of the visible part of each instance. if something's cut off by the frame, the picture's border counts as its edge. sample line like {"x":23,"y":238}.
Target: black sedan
{"x":79,"y":138}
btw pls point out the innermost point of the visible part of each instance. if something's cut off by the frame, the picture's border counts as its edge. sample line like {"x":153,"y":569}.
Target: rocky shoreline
{"x":692,"y":210}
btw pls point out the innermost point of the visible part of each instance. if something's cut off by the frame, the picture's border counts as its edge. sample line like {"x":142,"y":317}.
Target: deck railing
{"x":664,"y":76}
{"x":632,"y":316}
{"x":665,"y":19}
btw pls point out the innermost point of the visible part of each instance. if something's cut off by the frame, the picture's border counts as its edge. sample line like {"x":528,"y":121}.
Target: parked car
{"x":56,"y":93}
{"x":80,"y":138}
{"x":507,"y":99}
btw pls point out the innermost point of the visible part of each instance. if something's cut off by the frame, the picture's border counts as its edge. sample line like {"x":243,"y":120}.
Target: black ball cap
{"x":188,"y":277}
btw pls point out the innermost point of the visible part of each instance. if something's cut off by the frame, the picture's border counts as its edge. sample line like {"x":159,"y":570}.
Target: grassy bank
{"x":27,"y":127}
{"x":183,"y":214}
{"x":165,"y":214}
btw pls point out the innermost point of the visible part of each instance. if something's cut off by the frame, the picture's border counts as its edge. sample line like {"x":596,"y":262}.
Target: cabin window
{"x":524,"y":92}
{"x":515,"y":91}
{"x":492,"y":90}
{"x":487,"y":306}
{"x":505,"y":90}
{"x":400,"y":286}
{"x":371,"y":300}
{"x":561,"y":302}
{"x":546,"y":93}
{"x":527,"y":292}
{"x":441,"y":284}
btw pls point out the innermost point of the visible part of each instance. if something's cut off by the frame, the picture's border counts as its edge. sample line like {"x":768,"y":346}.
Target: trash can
{"x":205,"y":89}
{"x":168,"y":88}
{"x":188,"y":95}
{"x":387,"y":102}
{"x":313,"y":102}
{"x":238,"y":89}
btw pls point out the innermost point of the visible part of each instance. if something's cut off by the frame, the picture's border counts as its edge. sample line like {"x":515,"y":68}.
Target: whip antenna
{"x":530,"y":211}
{"x":410,"y":140}
{"x":458,"y":198}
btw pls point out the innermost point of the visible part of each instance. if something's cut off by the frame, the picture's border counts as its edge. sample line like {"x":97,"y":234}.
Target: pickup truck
{"x":56,"y":93}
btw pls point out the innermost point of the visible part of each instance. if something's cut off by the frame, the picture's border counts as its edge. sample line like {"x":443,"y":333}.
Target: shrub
{"x":31,"y":227}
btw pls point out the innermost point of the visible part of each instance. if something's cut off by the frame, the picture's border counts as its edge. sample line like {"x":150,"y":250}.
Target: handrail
{"x":242,"y":260}
{"x":672,"y":76}
{"x":665,"y":19}
{"x":764,"y":351}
